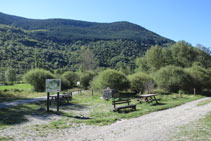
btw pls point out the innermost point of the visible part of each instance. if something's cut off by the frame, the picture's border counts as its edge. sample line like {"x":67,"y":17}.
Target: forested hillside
{"x":57,"y":44}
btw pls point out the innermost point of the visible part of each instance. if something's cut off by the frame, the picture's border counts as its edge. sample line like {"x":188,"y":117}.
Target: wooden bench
{"x":116,"y":102}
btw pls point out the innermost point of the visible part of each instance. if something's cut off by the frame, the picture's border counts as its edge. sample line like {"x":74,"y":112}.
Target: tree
{"x":2,"y":76}
{"x":139,"y":81}
{"x":10,"y":75}
{"x":37,"y":59}
{"x":72,"y":77}
{"x":200,"y":78}
{"x":183,"y":54}
{"x":154,"y":58}
{"x":88,"y":60}
{"x":86,"y":78}
{"x":37,"y":78}
{"x":112,"y":79}
{"x":172,"y":78}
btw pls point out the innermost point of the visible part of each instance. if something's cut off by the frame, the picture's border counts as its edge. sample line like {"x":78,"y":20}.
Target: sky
{"x":188,"y":20}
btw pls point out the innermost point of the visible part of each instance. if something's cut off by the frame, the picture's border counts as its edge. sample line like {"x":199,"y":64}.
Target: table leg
{"x":155,"y":99}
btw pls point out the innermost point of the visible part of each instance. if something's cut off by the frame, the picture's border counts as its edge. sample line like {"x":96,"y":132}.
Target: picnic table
{"x":147,"y":98}
{"x":62,"y":97}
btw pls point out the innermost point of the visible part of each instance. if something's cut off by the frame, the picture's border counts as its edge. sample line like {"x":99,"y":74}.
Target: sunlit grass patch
{"x":196,"y":131}
{"x":204,"y":102}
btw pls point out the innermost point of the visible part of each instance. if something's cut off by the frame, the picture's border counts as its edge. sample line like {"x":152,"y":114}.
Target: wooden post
{"x":48,"y":102}
{"x":57,"y":104}
{"x":179,"y":94}
{"x":194,"y":91}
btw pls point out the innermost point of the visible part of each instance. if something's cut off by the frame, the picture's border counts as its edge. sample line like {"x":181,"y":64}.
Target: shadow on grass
{"x":158,"y":104}
{"x":206,"y":93}
{"x":9,"y":97}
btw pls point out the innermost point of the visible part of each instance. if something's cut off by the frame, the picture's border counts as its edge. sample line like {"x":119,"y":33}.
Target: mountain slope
{"x":60,"y":42}
{"x":69,"y":30}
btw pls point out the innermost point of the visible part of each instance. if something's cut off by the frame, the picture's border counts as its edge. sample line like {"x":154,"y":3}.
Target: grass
{"x":88,"y":109}
{"x":20,"y":87}
{"x":196,"y":131}
{"x":205,"y":102}
{"x":21,"y":91}
{"x":6,"y":139}
{"x":102,"y":113}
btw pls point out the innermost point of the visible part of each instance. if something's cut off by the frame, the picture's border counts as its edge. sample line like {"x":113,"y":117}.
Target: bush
{"x":112,"y":79}
{"x":65,"y":83}
{"x":200,"y":78}
{"x":86,"y":78}
{"x":37,"y":78}
{"x":71,"y":77}
{"x":159,"y":91}
{"x":172,"y":78}
{"x":138,"y":81}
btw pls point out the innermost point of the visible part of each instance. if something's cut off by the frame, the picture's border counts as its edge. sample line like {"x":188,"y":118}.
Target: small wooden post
{"x":57,"y":102}
{"x":194,"y":91}
{"x":48,"y":102}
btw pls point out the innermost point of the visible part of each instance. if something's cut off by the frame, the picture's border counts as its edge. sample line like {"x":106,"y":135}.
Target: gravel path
{"x":156,"y":126}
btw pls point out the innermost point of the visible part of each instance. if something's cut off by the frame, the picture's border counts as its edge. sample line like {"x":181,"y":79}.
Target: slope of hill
{"x":59,"y":42}
{"x":78,"y":30}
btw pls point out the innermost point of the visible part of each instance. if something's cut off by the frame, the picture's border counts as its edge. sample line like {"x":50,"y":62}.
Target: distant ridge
{"x":59,"y":43}
{"x":74,"y":29}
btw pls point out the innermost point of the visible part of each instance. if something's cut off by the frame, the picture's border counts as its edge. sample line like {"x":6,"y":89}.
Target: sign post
{"x":53,"y":86}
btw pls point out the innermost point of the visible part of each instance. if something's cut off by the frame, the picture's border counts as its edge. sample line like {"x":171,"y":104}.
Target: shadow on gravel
{"x":73,"y":106}
{"x":18,"y":114}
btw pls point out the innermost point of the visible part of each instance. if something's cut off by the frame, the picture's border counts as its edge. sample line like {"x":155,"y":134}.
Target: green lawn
{"x":103,"y":114}
{"x":16,"y":87}
{"x":20,"y":91}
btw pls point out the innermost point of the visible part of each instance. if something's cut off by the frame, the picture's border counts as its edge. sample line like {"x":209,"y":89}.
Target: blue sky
{"x":188,"y":20}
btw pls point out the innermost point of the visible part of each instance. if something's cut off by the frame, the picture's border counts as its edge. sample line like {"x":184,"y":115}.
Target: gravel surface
{"x":156,"y":126}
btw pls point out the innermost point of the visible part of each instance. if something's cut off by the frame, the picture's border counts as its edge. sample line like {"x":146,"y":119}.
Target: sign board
{"x":78,"y":83}
{"x":53,"y":85}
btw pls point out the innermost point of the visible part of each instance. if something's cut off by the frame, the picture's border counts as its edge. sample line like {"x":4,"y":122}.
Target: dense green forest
{"x":58,"y":44}
{"x":67,"y":49}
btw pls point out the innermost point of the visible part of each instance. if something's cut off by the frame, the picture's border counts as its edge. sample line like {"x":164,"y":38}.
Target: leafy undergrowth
{"x":196,"y":131}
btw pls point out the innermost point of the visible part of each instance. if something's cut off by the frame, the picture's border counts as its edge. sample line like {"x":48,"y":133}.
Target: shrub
{"x":112,"y":79}
{"x":37,"y":78}
{"x":86,"y":78}
{"x":65,"y":83}
{"x":138,"y":81}
{"x":72,"y":77}
{"x":200,"y":78}
{"x":172,"y":78}
{"x":159,"y":91}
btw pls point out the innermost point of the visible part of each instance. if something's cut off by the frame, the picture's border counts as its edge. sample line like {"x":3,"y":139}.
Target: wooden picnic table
{"x":147,"y":98}
{"x":62,"y":97}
